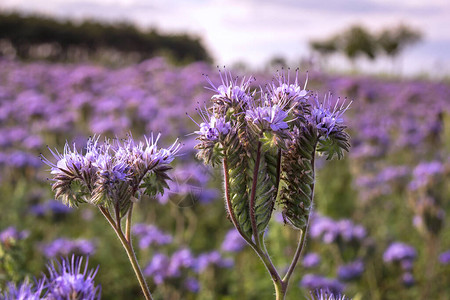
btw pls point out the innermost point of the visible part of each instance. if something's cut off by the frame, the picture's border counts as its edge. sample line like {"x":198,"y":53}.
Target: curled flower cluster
{"x":280,"y":127}
{"x":112,"y":174}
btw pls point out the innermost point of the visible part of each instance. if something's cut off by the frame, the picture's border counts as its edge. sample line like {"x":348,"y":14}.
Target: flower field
{"x":379,"y":229}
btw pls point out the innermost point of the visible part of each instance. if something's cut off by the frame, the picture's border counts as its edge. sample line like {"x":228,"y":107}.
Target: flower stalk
{"x":267,"y":143}
{"x":112,"y":176}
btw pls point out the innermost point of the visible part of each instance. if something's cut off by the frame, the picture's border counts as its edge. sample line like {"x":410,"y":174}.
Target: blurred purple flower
{"x":408,"y":279}
{"x":233,"y":242}
{"x":444,"y":258}
{"x":65,"y":247}
{"x":424,"y":172}
{"x":211,"y":258}
{"x":314,"y":282}
{"x":23,"y":291}
{"x":350,"y":271}
{"x":150,"y":235}
{"x":311,"y":260}
{"x":192,"y":285}
{"x":157,"y":268}
{"x":398,"y":251}
{"x":51,"y":207}
{"x":12,"y":234}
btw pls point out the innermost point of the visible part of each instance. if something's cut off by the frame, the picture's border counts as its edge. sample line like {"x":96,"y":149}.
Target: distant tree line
{"x":30,"y":37}
{"x":357,"y":41}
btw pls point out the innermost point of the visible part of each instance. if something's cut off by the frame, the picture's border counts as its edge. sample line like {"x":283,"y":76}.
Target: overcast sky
{"x":253,"y":31}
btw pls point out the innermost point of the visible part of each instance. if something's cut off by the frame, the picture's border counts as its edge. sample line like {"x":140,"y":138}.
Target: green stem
{"x":280,"y":290}
{"x":130,"y":252}
{"x":128,"y":223}
{"x":298,"y":252}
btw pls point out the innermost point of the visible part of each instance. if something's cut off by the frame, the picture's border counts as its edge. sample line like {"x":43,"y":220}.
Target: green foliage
{"x":42,"y":37}
{"x":155,"y":182}
{"x":392,"y":42}
{"x":334,"y":145}
{"x":358,"y":41}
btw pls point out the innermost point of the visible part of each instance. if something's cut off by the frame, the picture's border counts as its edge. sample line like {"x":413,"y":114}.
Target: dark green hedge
{"x":66,"y":39}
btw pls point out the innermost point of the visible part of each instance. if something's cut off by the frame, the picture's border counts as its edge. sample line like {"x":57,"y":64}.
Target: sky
{"x":254,"y":31}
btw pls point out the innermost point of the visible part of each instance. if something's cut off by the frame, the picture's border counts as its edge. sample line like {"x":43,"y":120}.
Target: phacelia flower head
{"x":112,"y":173}
{"x":212,"y":127}
{"x":326,"y":117}
{"x":325,"y":294}
{"x":69,"y":280}
{"x":231,"y":93}
{"x":284,"y":93}
{"x":267,"y":118}
{"x":24,"y":291}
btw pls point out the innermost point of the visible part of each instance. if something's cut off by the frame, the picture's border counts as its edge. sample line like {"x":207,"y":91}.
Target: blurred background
{"x":72,"y":69}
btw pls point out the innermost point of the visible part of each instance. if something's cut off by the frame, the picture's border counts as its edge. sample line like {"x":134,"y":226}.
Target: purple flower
{"x":327,"y":117}
{"x":350,"y":271}
{"x":24,"y":291}
{"x":314,"y":282}
{"x":68,"y":280}
{"x":233,"y":241}
{"x":311,"y":260}
{"x":444,"y":258}
{"x":192,"y":285}
{"x":180,"y":259}
{"x":211,"y":258}
{"x":157,"y":268}
{"x":150,"y":235}
{"x":331,"y":231}
{"x":325,"y":294}
{"x":12,"y":234}
{"x":212,"y":127}
{"x":64,"y":247}
{"x":424,"y":172}
{"x":231,"y":92}
{"x":267,"y":117}
{"x":398,"y":251}
{"x":408,"y":279}
{"x":52,"y":207}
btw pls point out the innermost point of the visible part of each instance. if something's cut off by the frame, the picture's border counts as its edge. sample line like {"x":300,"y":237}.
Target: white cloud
{"x":254,"y":30}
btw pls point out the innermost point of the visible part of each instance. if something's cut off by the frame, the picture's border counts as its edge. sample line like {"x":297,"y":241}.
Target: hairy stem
{"x":128,"y":223}
{"x":130,"y":252}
